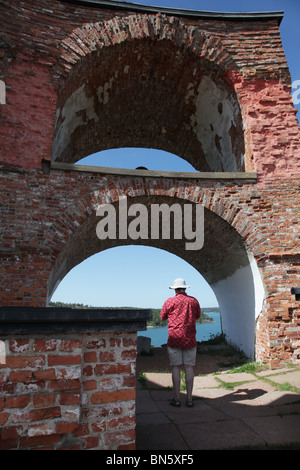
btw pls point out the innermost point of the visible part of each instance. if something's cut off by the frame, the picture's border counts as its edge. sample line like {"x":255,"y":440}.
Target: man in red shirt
{"x":181,"y":311}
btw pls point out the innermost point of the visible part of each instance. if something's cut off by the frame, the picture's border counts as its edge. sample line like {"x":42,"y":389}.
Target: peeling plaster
{"x":78,"y":109}
{"x":214,"y":117}
{"x":103,"y":91}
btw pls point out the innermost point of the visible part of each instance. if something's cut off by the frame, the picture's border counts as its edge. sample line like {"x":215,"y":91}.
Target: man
{"x":181,"y":311}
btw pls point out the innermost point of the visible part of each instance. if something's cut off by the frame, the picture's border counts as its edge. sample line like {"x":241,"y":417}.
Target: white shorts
{"x":180,"y":357}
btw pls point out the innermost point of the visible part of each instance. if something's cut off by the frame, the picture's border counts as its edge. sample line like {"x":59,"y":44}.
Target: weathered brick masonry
{"x":212,"y":89}
{"x":72,"y":391}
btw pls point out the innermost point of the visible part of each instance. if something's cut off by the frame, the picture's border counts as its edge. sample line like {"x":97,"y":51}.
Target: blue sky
{"x":138,"y":276}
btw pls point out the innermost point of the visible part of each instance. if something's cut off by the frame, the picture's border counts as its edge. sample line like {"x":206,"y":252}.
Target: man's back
{"x":181,"y":311}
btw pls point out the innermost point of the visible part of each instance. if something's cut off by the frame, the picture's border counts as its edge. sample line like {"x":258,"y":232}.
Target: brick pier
{"x":68,"y":377}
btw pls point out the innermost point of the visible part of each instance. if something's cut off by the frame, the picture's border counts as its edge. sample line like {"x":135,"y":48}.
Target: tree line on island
{"x":155,"y":322}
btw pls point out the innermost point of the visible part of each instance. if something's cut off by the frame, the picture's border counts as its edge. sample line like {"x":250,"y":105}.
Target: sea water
{"x":205,"y":331}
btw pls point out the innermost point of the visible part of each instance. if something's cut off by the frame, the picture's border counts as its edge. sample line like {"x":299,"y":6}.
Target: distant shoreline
{"x":156,"y":322}
{"x":198,"y":323}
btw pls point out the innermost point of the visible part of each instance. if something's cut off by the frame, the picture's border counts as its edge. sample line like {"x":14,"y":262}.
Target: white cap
{"x":179,"y":284}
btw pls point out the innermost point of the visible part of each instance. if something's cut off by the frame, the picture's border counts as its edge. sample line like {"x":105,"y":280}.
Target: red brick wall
{"x":47,"y":49}
{"x":45,"y":229}
{"x":68,"y":391}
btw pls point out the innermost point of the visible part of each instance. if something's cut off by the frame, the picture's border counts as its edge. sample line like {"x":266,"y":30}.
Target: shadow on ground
{"x":244,"y":410}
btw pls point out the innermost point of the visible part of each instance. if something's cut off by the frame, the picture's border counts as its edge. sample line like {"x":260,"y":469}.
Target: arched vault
{"x":155,"y":83}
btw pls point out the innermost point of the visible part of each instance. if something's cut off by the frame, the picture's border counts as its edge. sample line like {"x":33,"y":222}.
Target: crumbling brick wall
{"x":51,"y":50}
{"x":44,"y":232}
{"x":68,"y":391}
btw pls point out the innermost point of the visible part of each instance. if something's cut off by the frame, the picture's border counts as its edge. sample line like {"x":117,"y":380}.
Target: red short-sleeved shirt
{"x":181,"y":311}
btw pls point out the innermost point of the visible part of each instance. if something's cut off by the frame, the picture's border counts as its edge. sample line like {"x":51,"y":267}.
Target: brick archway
{"x":118,"y":90}
{"x":197,"y":117}
{"x":226,"y":260}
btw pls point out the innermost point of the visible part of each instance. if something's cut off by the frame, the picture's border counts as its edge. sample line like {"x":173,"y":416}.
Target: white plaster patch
{"x":72,"y":118}
{"x":71,"y":413}
{"x":24,"y":387}
{"x":103,"y":91}
{"x":213,"y":118}
{"x":69,"y":373}
{"x":40,"y":430}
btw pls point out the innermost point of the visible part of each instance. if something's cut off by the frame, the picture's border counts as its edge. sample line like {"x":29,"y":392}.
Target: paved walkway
{"x":254,"y":414}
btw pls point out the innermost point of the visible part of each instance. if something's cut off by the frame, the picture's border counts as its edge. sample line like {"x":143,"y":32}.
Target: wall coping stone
{"x":128,"y":6}
{"x":24,"y":320}
{"x":154,"y":173}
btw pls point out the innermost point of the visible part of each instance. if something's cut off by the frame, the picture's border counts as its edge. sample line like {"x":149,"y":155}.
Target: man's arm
{"x":164,"y":312}
{"x":198,"y":312}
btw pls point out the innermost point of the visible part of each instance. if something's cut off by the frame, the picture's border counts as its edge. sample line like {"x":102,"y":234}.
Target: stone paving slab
{"x":218,"y":435}
{"x":255,"y":414}
{"x":160,"y":437}
{"x":238,"y":377}
{"x":161,"y":380}
{"x":145,"y":404}
{"x":152,"y":418}
{"x":202,"y":412}
{"x":163,"y":395}
{"x":269,"y":372}
{"x":276,"y":430}
{"x":293,"y":378}
{"x":205,"y":382}
{"x":212,"y":393}
{"x":277,"y":398}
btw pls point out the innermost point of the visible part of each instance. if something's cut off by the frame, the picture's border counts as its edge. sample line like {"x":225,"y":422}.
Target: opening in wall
{"x":137,"y":158}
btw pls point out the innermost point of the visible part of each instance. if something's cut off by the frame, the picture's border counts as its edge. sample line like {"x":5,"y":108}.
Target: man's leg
{"x":189,"y":380}
{"x":175,"y":356}
{"x":176,"y":381}
{"x":189,"y":362}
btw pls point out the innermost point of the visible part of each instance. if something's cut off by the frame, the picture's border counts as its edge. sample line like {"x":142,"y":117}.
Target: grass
{"x":142,"y":377}
{"x":235,"y":358}
{"x":249,"y":367}
{"x":229,"y":386}
{"x":182,"y":381}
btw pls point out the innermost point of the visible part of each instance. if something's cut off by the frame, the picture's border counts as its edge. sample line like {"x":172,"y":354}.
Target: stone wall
{"x":67,"y":391}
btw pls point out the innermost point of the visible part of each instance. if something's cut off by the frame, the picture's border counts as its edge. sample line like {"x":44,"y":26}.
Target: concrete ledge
{"x":197,"y":175}
{"x":23,"y":320}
